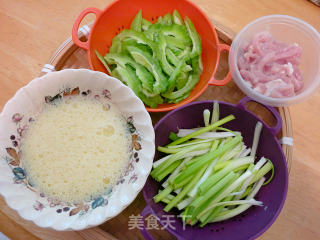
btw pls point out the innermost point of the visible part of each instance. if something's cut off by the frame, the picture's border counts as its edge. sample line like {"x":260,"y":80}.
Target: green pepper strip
{"x":195,"y":38}
{"x":146,"y":60}
{"x":103,"y":61}
{"x":160,"y":52}
{"x":138,"y":36}
{"x":167,"y":19}
{"x":180,"y":32}
{"x":128,"y":76}
{"x":137,"y":22}
{"x":192,"y":81}
{"x":145,"y":24}
{"x":177,"y":71}
{"x":123,"y":59}
{"x":177,"y":19}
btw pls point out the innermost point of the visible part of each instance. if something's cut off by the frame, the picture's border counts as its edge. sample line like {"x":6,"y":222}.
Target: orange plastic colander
{"x":119,"y":15}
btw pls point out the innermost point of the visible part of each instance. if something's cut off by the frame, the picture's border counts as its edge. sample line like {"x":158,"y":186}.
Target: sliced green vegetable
{"x":167,"y":19}
{"x":115,"y":46}
{"x":204,"y":201}
{"x":195,"y":38}
{"x":168,"y":170}
{"x":123,"y":59}
{"x":177,"y":156}
{"x":215,"y":184}
{"x":182,"y":183}
{"x":137,"y":22}
{"x":177,"y":51}
{"x":173,"y":136}
{"x":177,"y":100}
{"x":145,"y":24}
{"x":135,"y":84}
{"x":152,"y":102}
{"x":185,"y":190}
{"x":178,"y":31}
{"x":146,"y":60}
{"x":192,"y":81}
{"x":172,"y":58}
{"x":159,"y":20}
{"x":128,"y":75}
{"x":203,"y":130}
{"x":103,"y":61}
{"x":176,"y":73}
{"x":162,"y":194}
{"x":137,"y":36}
{"x":204,"y":159}
{"x":160,"y":55}
{"x":175,"y":42}
{"x":177,"y":19}
{"x":182,"y":80}
{"x":206,"y":185}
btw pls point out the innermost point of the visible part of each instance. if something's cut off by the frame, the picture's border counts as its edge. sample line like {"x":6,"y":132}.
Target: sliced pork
{"x":271,"y":67}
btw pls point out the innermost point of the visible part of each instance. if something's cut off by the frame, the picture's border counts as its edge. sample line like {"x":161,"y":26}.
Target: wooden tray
{"x":69,"y":55}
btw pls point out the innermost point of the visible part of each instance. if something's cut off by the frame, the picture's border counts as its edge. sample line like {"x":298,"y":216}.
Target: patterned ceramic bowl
{"x":22,"y":109}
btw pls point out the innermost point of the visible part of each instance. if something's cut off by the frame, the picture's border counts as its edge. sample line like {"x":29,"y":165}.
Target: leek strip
{"x":203,"y":130}
{"x":175,"y":157}
{"x":228,"y":190}
{"x":183,"y":204}
{"x":190,"y":144}
{"x":256,"y":137}
{"x":161,"y":160}
{"x":207,"y":173}
{"x":215,"y":112}
{"x":202,"y":160}
{"x":175,"y":172}
{"x":236,"y":202}
{"x":245,"y":153}
{"x":240,"y":209}
{"x":205,"y":186}
{"x":185,"y":190}
{"x":162,"y":194}
{"x":167,"y":170}
{"x":206,"y":117}
{"x":216,"y":135}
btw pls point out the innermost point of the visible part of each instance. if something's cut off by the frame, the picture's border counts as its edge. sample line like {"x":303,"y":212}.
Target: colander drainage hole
{"x":217,"y":230}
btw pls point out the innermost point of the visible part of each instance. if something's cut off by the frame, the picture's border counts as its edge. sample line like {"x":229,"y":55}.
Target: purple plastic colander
{"x":255,"y":220}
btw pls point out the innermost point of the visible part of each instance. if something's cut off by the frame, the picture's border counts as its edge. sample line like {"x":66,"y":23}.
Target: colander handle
{"x":145,"y":212}
{"x":274,"y":130}
{"x":144,"y":231}
{"x":75,"y":28}
{"x":213,"y":81}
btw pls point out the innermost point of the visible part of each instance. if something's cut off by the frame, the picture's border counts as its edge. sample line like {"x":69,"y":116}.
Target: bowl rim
{"x":278,"y":102}
{"x":281,"y":204}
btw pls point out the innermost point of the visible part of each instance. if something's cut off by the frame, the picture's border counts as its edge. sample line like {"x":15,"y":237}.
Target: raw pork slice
{"x":271,"y":67}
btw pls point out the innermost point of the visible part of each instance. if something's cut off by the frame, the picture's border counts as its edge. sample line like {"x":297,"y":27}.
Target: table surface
{"x":32,"y":29}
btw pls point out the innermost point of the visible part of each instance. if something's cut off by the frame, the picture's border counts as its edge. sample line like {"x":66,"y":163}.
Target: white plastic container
{"x":284,"y":29}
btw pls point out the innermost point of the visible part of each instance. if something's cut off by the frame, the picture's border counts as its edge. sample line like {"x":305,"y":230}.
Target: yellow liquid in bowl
{"x":76,"y":149}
